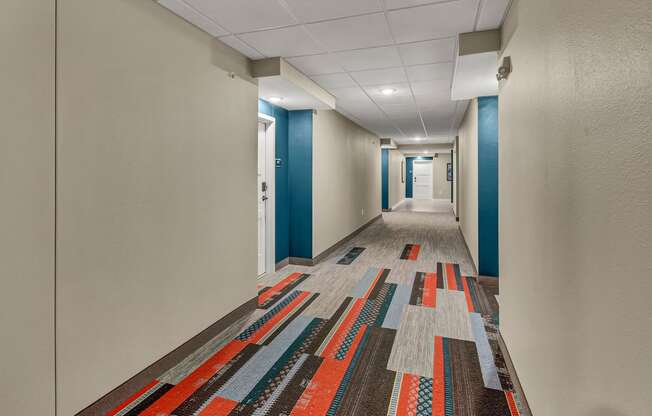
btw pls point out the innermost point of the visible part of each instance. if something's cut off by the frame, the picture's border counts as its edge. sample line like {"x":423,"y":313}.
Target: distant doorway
{"x":422,"y":179}
{"x":409,"y":171}
{"x":265,"y":193}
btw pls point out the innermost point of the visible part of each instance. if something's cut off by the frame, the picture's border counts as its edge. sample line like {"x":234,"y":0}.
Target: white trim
{"x":398,"y":203}
{"x":270,"y":151}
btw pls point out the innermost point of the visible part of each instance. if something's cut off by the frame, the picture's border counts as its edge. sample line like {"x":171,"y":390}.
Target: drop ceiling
{"x":356,"y":48}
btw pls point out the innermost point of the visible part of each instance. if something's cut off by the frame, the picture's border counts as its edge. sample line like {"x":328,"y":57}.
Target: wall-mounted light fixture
{"x":276,"y":99}
{"x":505,"y":69}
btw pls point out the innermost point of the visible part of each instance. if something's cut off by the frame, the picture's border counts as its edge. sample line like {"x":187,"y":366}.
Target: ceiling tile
{"x":380,"y":76}
{"x":352,"y":33}
{"x":314,"y":10}
{"x":435,"y":100}
{"x":398,"y":4}
{"x":242,"y":47}
{"x":428,"y":52}
{"x":438,"y":87}
{"x":410,"y":126}
{"x":492,"y":13}
{"x":373,"y":58}
{"x":349,"y":94}
{"x":193,"y":16}
{"x":433,"y":21}
{"x":430,"y":72}
{"x":316,"y":64}
{"x":288,"y":41}
{"x":399,"y":110}
{"x":403,"y":94}
{"x":331,"y":81}
{"x":244,"y":15}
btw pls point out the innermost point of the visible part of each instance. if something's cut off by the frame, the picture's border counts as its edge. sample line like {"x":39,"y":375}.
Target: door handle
{"x":265,"y":198}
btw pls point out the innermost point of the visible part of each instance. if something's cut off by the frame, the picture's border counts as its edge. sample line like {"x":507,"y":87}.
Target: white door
{"x":422,"y":178}
{"x":262,"y":198}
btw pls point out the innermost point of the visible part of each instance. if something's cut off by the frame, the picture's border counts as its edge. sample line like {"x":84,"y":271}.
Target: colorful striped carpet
{"x":421,"y":345}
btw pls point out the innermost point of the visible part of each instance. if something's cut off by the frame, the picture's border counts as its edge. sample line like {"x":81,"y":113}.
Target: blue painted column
{"x":385,"y":178}
{"x":300,"y":182}
{"x":488,"y":186}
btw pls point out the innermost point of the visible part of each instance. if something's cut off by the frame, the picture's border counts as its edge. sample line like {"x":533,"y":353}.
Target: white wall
{"x":396,"y":185}
{"x":27,"y":207}
{"x":441,"y":188}
{"x":346,"y":178}
{"x":575,"y":205}
{"x":156,"y":190}
{"x":468,"y":179}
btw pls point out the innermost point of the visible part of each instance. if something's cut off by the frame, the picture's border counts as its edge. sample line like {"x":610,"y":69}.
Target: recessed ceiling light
{"x":388,"y":91}
{"x":276,"y":99}
{"x":418,"y":138}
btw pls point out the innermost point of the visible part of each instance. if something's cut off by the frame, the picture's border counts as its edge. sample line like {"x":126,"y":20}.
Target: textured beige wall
{"x":346,"y":178}
{"x":441,"y":188}
{"x":396,"y":186}
{"x":468,"y":179}
{"x":156,"y":191}
{"x":575,"y":205}
{"x":27,"y":207}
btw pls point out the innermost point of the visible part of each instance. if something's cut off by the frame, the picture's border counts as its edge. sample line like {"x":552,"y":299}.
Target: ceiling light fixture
{"x":418,"y":138}
{"x":276,"y":99}
{"x":388,"y":91}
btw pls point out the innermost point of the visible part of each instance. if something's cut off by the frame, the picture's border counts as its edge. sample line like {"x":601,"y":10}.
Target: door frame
{"x":431,"y":163}
{"x":270,"y":208}
{"x":409,"y":179}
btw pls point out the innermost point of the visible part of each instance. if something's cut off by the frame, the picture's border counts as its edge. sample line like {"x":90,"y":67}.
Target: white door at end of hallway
{"x":262,"y":198}
{"x":422,"y":179}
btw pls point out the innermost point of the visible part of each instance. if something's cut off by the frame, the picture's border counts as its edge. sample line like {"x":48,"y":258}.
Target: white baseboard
{"x":397,"y":204}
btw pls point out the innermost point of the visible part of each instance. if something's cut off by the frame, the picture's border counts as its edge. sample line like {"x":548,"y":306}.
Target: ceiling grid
{"x":355,"y":49}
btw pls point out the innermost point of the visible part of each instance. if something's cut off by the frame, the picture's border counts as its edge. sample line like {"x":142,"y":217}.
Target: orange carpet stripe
{"x":179,"y":393}
{"x":405,"y":407}
{"x":438,"y":381}
{"x":276,"y":289}
{"x":513,"y":409}
{"x":218,"y":407}
{"x":173,"y":398}
{"x":430,"y":290}
{"x":450,"y":275}
{"x":373,"y":284}
{"x":467,"y":294}
{"x":316,"y":399}
{"x":132,"y":398}
{"x":263,"y":330}
{"x":345,"y":327}
{"x":414,"y":253}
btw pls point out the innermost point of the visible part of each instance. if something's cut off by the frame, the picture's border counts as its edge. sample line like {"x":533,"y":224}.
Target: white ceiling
{"x":355,"y":48}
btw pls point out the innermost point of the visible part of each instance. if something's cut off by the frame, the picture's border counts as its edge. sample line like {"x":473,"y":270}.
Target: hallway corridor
{"x":386,"y":325}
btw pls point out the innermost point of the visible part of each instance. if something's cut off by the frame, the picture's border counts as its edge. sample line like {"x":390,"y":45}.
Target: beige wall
{"x":27,"y":207}
{"x":396,"y":185}
{"x":346,"y":178}
{"x":468,"y":179}
{"x":156,"y":191}
{"x":575,"y":213}
{"x":441,"y":188}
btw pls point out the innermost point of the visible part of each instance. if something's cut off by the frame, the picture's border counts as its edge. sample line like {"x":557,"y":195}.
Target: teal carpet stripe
{"x":449,"y":407}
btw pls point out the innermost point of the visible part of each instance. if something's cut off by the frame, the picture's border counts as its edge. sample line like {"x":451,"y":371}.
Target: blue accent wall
{"x":488,"y":186}
{"x":409,"y":163}
{"x":300,"y":182}
{"x":281,"y":194}
{"x":385,"y":178}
